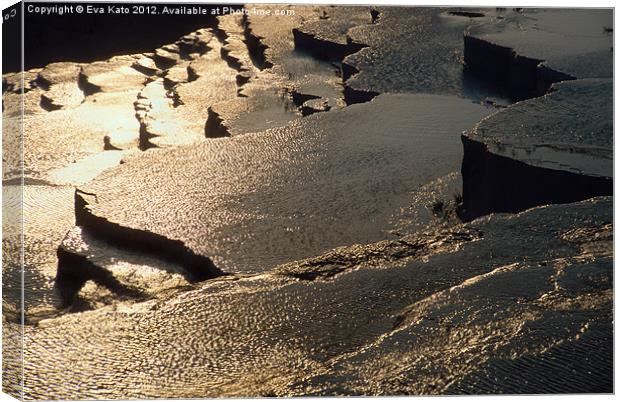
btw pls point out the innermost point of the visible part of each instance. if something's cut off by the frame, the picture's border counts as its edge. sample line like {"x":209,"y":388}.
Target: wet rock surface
{"x":274,"y":72}
{"x":534,"y":286}
{"x":258,"y":200}
{"x":406,"y":50}
{"x":531,"y":49}
{"x":327,"y":37}
{"x":65,"y":132}
{"x":568,"y":129}
{"x":271,"y":206}
{"x":552,"y":149}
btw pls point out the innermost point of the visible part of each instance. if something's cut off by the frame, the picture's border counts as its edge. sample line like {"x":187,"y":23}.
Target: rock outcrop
{"x":528,"y":51}
{"x":547,"y":150}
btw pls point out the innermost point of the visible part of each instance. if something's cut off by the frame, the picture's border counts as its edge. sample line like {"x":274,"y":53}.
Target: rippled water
{"x":46,"y":220}
{"x":330,"y":180}
{"x":350,"y":273}
{"x":414,"y":326}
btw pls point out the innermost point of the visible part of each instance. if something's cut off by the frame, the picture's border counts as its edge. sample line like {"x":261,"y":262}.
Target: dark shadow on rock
{"x":323,"y":49}
{"x":468,"y":14}
{"x":86,"y":87}
{"x":352,"y":96}
{"x":214,"y":126}
{"x":48,"y":105}
{"x":524,"y":77}
{"x":256,"y":48}
{"x":198,"y":267}
{"x":107,"y":144}
{"x":495,"y":183}
{"x":75,"y":270}
{"x":374,"y":15}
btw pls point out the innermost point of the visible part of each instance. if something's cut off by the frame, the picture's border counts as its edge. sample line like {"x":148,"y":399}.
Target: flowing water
{"x":318,"y":195}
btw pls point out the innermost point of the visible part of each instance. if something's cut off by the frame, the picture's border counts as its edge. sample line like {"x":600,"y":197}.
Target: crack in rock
{"x":378,"y":254}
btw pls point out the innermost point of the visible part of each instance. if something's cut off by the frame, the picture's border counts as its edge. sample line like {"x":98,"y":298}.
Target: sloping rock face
{"x":530,"y":50}
{"x":506,"y":303}
{"x":552,"y":149}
